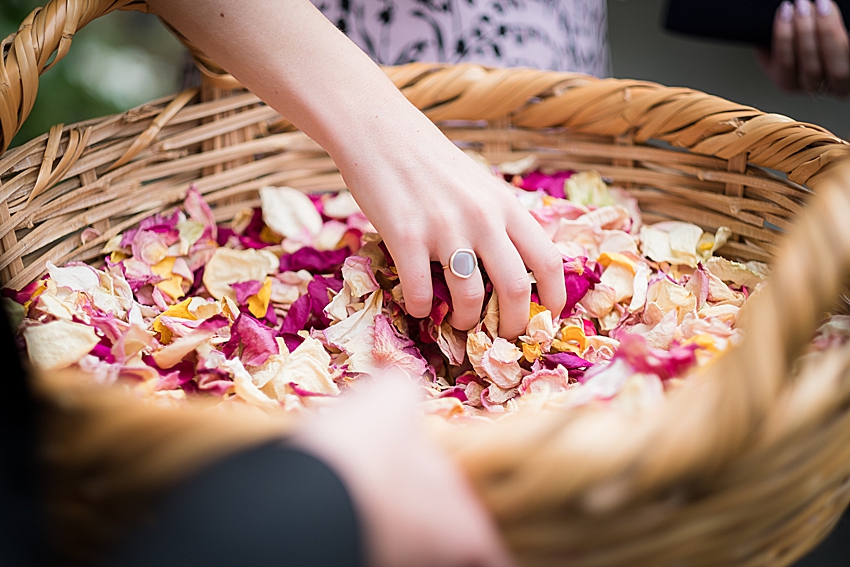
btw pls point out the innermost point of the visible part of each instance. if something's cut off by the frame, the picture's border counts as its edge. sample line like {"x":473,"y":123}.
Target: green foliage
{"x":117,"y":62}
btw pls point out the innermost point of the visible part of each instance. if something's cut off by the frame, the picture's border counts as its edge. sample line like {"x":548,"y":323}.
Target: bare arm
{"x":425,"y":196}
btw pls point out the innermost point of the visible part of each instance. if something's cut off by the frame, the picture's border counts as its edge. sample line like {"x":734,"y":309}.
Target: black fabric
{"x":744,"y":21}
{"x":22,"y":535}
{"x":835,"y":549}
{"x":269,"y":506}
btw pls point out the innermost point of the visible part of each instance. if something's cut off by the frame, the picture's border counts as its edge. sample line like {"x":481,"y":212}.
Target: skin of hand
{"x":423,"y":194}
{"x":811,"y":49}
{"x":415,"y":505}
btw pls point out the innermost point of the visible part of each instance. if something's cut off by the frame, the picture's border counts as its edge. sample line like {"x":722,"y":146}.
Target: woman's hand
{"x":416,"y":506}
{"x":424,"y":195}
{"x":811,"y":50}
{"x":427,"y":199}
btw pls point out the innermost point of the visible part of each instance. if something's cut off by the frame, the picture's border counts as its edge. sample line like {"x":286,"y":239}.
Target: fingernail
{"x":804,"y":8}
{"x":824,"y":7}
{"x":786,"y":12}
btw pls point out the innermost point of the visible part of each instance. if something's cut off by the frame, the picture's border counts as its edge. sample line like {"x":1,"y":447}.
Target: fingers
{"x":782,"y":63}
{"x":543,"y":258}
{"x":809,"y":68}
{"x":467,"y":295}
{"x":510,"y":278}
{"x":414,"y":271}
{"x":834,"y":46}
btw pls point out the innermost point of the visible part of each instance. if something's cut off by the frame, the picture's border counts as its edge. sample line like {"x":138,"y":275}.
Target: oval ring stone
{"x":463,"y":263}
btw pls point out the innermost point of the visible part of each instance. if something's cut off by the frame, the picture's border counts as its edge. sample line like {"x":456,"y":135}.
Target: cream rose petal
{"x":452,"y":343}
{"x":357,"y":273}
{"x":750,"y":274}
{"x":621,"y":279}
{"x":382,"y":347}
{"x":308,"y":368}
{"x":500,"y":363}
{"x":668,"y":295}
{"x":641,"y":286}
{"x":541,"y":328}
{"x":341,"y":333}
{"x":173,"y":353}
{"x":330,"y":235}
{"x":476,"y":345}
{"x":228,"y":266}
{"x":341,"y":206}
{"x":289,"y":212}
{"x":76,"y":278}
{"x":599,"y":301}
{"x":672,"y":241}
{"x":245,"y":387}
{"x":59,"y":344}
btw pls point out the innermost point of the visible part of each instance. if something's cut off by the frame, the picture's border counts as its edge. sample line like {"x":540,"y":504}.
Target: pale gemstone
{"x":463,"y":263}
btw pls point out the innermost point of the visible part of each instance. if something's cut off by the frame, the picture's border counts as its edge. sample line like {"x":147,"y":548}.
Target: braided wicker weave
{"x":749,"y":464}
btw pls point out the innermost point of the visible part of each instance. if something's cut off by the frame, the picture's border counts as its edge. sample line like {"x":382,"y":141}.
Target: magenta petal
{"x":103,"y":351}
{"x":455,"y":392}
{"x":214,"y":323}
{"x":128,"y":237}
{"x":214,"y":381}
{"x":317,"y":289}
{"x":270,"y":318}
{"x":552,"y":184}
{"x":318,"y":200}
{"x":292,"y":340}
{"x":579,"y":279}
{"x":302,"y":392}
{"x":258,"y":341}
{"x":296,"y":319}
{"x":568,"y":360}
{"x":314,"y":261}
{"x":109,"y":326}
{"x":161,"y":222}
{"x":441,"y":304}
{"x":665,"y":363}
{"x":255,"y":227}
{"x":224,"y":235}
{"x":246,"y":289}
{"x":25,"y":294}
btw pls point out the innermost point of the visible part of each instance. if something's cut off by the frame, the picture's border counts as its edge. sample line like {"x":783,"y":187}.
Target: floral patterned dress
{"x":564,"y":35}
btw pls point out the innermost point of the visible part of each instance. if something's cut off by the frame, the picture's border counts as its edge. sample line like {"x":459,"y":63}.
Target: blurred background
{"x":115,"y":63}
{"x":127,"y":59}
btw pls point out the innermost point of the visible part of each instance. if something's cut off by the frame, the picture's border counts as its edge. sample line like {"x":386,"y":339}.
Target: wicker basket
{"x":747,"y":465}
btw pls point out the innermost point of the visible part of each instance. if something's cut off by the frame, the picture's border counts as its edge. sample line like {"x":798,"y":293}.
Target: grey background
{"x":642,"y":49}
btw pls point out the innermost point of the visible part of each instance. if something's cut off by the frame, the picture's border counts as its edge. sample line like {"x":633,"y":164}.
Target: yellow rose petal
{"x":574,"y":333}
{"x":535,"y":309}
{"x":269,"y":236}
{"x":172,"y":287}
{"x":163,"y":269}
{"x":531,"y":352}
{"x":608,"y":258}
{"x":258,"y":304}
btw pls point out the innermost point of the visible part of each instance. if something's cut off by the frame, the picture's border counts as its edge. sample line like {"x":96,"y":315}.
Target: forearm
{"x":293,"y":58}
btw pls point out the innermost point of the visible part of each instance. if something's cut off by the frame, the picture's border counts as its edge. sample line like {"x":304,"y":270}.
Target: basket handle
{"x":48,"y":31}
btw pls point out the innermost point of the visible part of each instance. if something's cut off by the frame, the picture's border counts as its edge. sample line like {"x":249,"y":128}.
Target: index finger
{"x":543,"y":258}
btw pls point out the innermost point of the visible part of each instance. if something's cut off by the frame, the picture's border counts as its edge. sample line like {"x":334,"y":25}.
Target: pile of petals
{"x":287,"y":304}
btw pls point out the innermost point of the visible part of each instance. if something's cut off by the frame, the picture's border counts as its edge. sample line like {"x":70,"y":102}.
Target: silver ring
{"x":462,"y":263}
